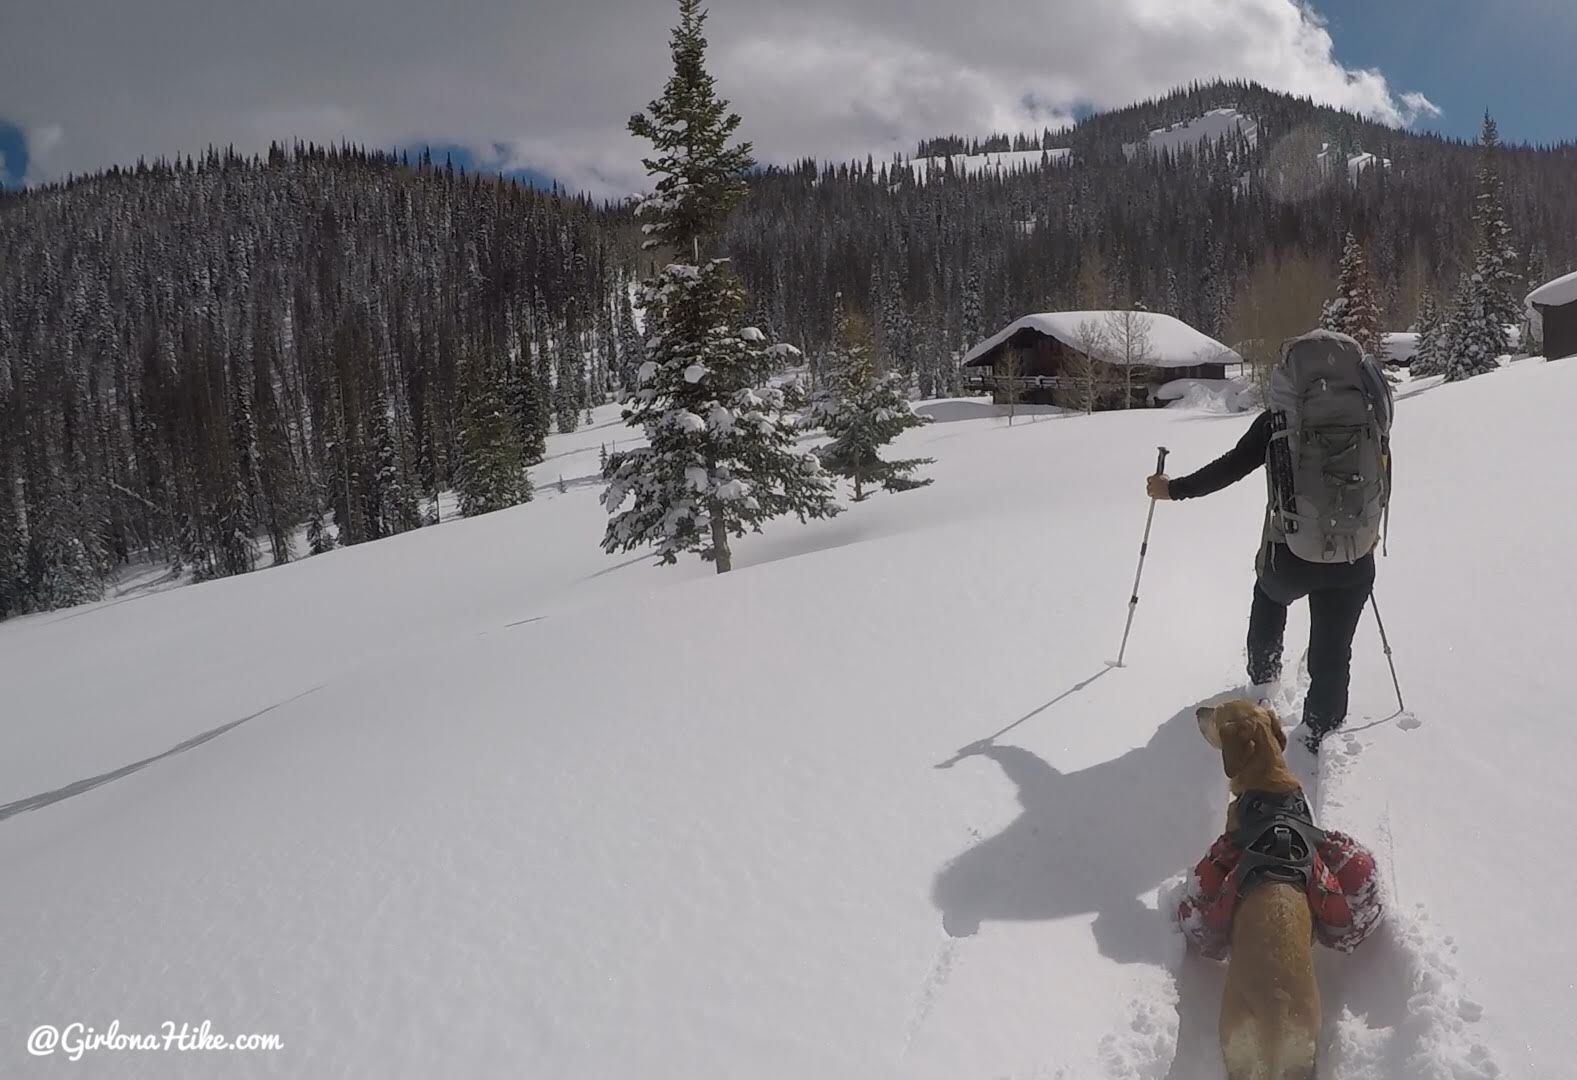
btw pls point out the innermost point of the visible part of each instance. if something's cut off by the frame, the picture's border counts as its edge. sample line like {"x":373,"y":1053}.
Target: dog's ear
{"x":1238,"y":748}
{"x":1206,"y":716}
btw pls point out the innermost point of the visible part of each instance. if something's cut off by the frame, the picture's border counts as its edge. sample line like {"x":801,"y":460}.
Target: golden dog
{"x":1270,"y":1013}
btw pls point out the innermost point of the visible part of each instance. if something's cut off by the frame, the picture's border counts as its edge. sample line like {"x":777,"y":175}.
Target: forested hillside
{"x":199,"y":359}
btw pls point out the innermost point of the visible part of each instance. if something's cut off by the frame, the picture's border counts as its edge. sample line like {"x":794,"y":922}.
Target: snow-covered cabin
{"x":1400,"y":348}
{"x":1032,"y":356}
{"x":1552,"y":310}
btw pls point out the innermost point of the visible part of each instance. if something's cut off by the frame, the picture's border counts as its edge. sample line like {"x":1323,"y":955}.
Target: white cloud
{"x":550,"y":86}
{"x":1416,"y":106}
{"x":45,"y":144}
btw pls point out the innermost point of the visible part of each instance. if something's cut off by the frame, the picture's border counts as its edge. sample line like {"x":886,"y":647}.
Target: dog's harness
{"x":1278,"y":839}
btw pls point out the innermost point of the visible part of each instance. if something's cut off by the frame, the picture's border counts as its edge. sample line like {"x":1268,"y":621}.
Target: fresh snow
{"x":1357,"y":164}
{"x":1210,"y":395}
{"x":1557,"y":293}
{"x":496,"y":804}
{"x":1172,"y":343}
{"x":1187,"y":135}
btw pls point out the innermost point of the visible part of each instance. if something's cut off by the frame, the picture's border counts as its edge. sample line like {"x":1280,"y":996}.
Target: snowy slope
{"x":1357,"y":164}
{"x":1210,"y":127}
{"x":509,"y":807}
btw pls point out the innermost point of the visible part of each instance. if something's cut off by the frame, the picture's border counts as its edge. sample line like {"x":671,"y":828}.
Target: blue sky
{"x":1513,"y":57}
{"x":13,"y":154}
{"x":543,"y":89}
{"x":464,"y":158}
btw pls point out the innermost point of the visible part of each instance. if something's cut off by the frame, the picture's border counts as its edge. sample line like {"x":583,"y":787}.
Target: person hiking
{"x":1325,"y":441}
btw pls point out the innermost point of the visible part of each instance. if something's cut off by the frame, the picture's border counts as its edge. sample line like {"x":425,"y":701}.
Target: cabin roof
{"x":1172,"y":342}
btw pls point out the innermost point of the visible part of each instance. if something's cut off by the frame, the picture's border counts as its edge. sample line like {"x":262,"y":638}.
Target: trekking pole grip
{"x":1160,"y":461}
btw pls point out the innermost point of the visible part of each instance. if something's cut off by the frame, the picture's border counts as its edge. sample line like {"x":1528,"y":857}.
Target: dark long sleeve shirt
{"x":1229,"y":468}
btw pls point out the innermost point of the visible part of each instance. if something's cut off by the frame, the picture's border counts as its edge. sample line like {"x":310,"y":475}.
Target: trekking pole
{"x":1144,"y":549}
{"x":1386,"y":642}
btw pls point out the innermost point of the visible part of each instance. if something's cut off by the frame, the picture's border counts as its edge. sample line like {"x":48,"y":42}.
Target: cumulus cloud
{"x":550,"y":86}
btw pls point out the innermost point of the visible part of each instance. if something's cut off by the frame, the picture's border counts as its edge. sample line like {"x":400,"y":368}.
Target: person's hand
{"x":1159,"y":486}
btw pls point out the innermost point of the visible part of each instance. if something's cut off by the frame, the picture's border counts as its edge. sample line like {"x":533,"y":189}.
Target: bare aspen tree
{"x":1009,"y":370}
{"x":1088,"y":376}
{"x":1128,"y":339}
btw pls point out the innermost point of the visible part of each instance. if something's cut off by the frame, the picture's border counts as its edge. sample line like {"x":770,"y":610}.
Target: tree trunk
{"x":720,"y":553}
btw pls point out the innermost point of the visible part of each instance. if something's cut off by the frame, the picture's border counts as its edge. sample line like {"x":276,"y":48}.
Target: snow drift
{"x":481,"y":801}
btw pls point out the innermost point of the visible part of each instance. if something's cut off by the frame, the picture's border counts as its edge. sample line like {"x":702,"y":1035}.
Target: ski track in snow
{"x":930,"y":988}
{"x":1396,"y":1009}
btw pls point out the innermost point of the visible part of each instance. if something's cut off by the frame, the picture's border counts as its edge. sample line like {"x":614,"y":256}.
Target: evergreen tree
{"x":569,"y":391}
{"x":492,"y":466}
{"x":14,"y":598}
{"x":1354,"y":311}
{"x":863,"y":410}
{"x":528,"y":407}
{"x":320,"y":538}
{"x":700,"y":178}
{"x":1495,"y":257}
{"x":721,"y":454}
{"x":972,"y":323}
{"x":1429,"y":359}
{"x":1476,"y":338}
{"x":390,"y":502}
{"x":632,"y":350}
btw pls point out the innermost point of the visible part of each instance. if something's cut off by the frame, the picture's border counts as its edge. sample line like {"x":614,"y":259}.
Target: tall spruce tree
{"x":863,"y":410}
{"x":1354,"y":311}
{"x":1485,"y":310}
{"x":721,"y":454}
{"x":1495,"y":258}
{"x":492,"y":474}
{"x":1476,"y":338}
{"x":1429,"y":358}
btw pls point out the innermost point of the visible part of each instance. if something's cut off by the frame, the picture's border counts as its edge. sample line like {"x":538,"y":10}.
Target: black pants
{"x":1337,"y":594}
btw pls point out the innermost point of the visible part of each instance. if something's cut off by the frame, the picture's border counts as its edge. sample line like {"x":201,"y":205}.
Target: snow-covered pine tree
{"x":863,"y":410}
{"x":1476,"y":338}
{"x":492,"y":474}
{"x":1354,"y":311}
{"x":1429,"y":358}
{"x":320,"y":538}
{"x":390,"y":498}
{"x":1485,"y":310}
{"x":1495,"y":260}
{"x":721,"y":454}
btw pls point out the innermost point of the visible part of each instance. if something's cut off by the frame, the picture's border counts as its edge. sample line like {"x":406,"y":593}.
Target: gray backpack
{"x":1329,"y":464}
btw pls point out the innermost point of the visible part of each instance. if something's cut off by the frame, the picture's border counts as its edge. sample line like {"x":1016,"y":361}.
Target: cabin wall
{"x":1560,"y":330}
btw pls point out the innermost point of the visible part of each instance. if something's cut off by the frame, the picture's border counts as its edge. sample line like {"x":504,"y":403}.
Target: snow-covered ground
{"x":1189,"y":134}
{"x":480,"y":801}
{"x":1357,"y":163}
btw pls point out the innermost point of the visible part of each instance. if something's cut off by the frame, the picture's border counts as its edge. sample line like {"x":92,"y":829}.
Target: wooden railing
{"x":981,"y":379}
